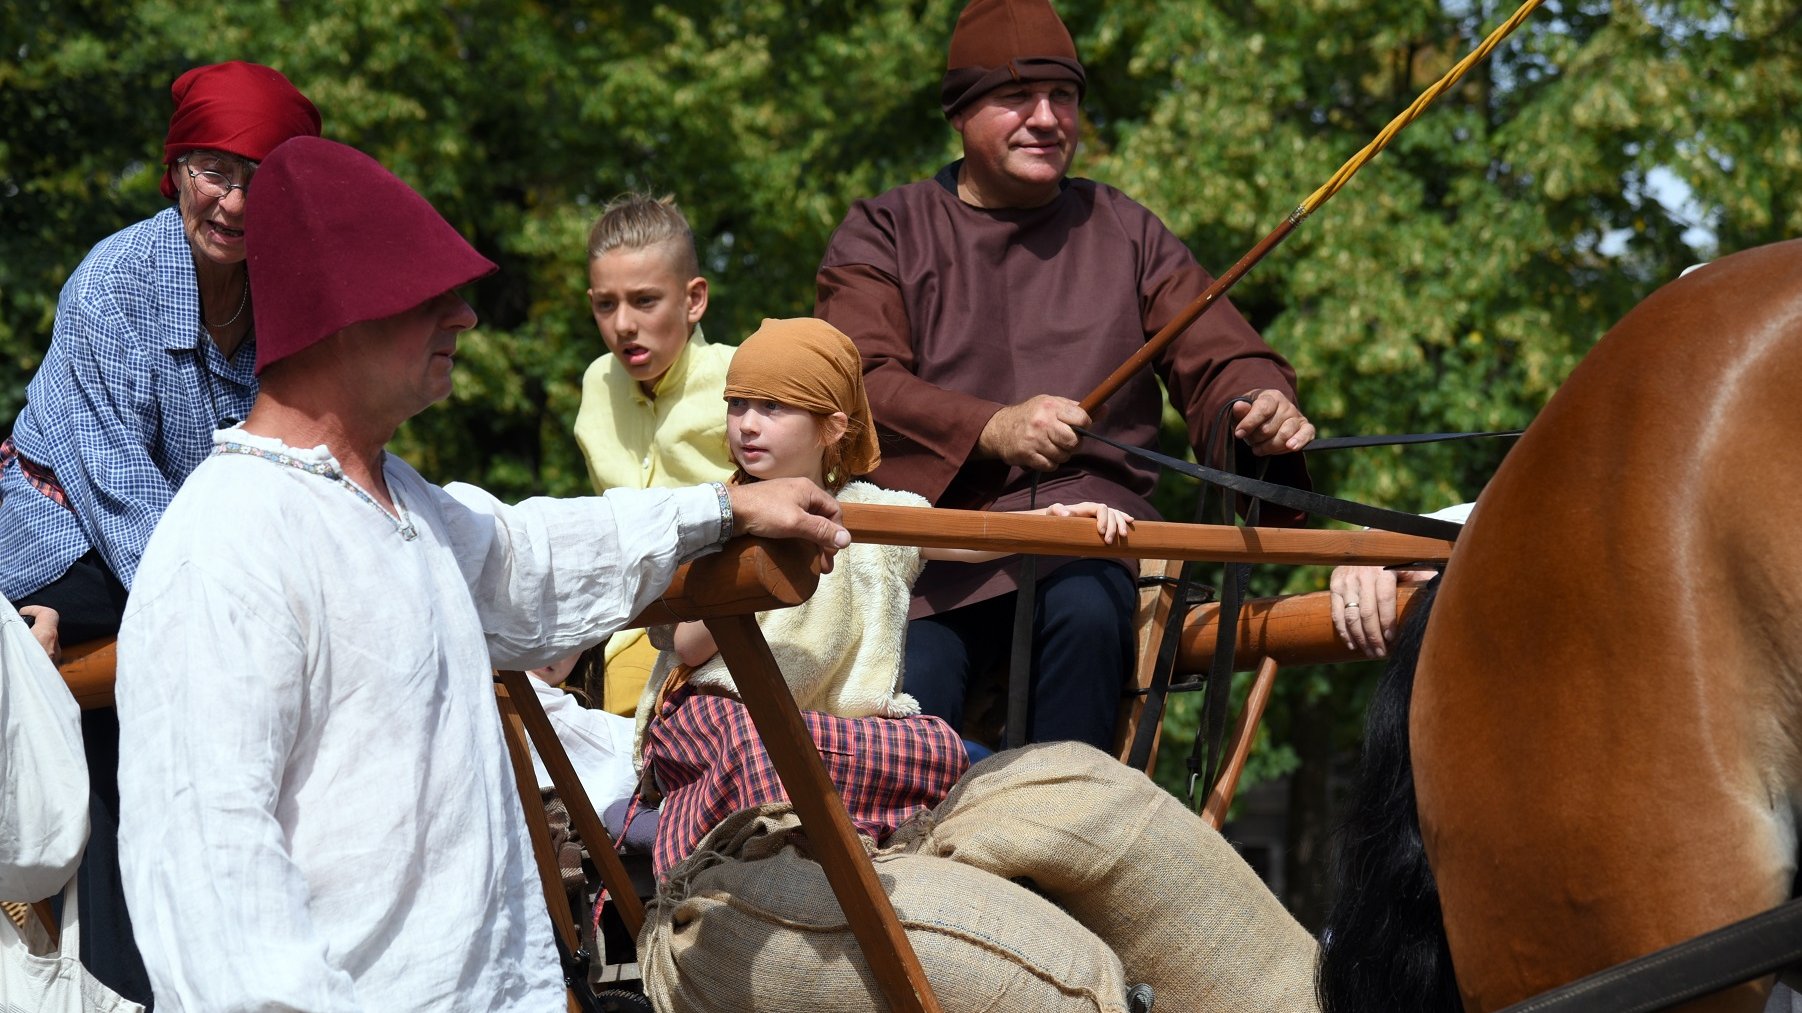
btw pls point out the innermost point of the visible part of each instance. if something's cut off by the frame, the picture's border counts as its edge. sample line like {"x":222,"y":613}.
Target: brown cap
{"x":334,"y":239}
{"x":999,"y":41}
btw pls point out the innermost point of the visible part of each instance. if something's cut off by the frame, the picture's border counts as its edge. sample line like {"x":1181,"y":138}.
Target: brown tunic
{"x":959,"y":311}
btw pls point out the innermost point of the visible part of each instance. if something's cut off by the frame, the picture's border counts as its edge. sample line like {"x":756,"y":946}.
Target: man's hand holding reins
{"x":1036,"y":433}
{"x":1271,"y":423}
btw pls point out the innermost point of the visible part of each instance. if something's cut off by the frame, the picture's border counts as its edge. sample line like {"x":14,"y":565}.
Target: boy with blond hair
{"x":650,"y":414}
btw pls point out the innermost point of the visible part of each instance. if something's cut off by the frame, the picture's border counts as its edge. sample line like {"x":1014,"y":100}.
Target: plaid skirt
{"x":41,"y":478}
{"x":710,"y":763}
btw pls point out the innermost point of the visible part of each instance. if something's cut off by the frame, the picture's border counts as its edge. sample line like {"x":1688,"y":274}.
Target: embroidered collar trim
{"x":324,"y":466}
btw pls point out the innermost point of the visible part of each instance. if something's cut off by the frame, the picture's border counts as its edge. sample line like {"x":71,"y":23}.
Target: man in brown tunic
{"x":985,"y":301}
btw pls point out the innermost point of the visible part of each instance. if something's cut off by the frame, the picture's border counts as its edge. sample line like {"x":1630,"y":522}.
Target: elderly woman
{"x":152,"y":351}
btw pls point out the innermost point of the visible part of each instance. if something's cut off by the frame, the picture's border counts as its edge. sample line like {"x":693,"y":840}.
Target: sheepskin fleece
{"x":840,"y":650}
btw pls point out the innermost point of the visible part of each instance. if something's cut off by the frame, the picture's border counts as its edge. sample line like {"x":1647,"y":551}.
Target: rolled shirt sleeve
{"x":122,"y":409}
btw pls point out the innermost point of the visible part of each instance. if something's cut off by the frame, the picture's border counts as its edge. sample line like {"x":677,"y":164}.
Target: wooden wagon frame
{"x":750,"y":575}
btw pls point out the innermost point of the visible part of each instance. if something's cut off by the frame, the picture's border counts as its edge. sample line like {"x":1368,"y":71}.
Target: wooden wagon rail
{"x":1075,"y":536}
{"x":1294,"y":629}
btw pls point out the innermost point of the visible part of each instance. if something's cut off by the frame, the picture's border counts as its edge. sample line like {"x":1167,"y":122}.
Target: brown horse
{"x":1606,"y":719}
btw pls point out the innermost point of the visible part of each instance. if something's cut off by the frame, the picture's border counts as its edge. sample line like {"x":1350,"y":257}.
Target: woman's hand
{"x":1364,"y":605}
{"x":44,"y":620}
{"x":1110,"y":523}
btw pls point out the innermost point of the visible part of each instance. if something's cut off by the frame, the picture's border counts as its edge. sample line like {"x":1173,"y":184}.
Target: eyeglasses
{"x":217,"y":185}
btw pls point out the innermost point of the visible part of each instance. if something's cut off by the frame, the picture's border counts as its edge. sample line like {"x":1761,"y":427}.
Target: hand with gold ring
{"x":1364,"y":606}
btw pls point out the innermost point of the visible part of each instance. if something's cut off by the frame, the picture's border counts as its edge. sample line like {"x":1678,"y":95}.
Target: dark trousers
{"x":88,"y":599}
{"x":1082,"y":652}
{"x":90,"y":602}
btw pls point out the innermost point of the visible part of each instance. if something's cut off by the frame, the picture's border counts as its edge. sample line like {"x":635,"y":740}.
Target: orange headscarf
{"x":809,"y":364}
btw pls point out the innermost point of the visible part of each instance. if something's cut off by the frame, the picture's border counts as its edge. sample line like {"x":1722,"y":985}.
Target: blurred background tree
{"x":1452,"y":286}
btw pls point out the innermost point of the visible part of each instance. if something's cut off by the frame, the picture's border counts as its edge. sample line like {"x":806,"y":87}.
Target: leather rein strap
{"x":1232,"y":590}
{"x":1739,"y":952}
{"x":1211,"y":728}
{"x":1019,"y":662}
{"x":1408,"y":439}
{"x":1303,"y":500}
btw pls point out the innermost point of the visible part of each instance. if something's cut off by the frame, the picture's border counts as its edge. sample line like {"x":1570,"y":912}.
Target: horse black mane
{"x":1385,"y":947}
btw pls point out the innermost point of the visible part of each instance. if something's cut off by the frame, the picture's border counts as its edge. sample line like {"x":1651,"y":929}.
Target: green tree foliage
{"x":1453,"y":284}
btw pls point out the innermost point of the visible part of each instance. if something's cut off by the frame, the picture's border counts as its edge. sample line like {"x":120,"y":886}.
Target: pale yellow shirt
{"x":675,"y":438}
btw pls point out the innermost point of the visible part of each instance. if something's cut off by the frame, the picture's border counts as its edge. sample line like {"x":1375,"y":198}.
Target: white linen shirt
{"x":598,"y":744}
{"x":317,"y":810}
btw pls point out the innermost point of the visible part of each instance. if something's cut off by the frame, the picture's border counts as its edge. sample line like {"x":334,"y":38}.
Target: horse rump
{"x":1385,"y":947}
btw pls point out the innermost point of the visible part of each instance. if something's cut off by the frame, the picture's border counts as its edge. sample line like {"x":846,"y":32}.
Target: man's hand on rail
{"x":789,"y":508}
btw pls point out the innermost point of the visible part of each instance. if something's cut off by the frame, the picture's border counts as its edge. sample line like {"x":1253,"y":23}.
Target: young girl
{"x":796,"y":409}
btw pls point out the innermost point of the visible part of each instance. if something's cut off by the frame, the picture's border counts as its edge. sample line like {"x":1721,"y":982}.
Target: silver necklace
{"x":243,"y":301}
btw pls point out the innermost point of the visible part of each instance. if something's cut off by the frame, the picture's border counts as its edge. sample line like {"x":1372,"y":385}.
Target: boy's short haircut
{"x":634,"y":221}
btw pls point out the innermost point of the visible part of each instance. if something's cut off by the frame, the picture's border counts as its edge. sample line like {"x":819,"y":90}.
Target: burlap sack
{"x":748,"y":923}
{"x":1160,"y":887}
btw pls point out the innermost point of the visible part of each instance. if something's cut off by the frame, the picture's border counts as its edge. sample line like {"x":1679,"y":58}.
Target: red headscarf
{"x":243,"y":109}
{"x":1000,"y":41}
{"x":334,"y":239}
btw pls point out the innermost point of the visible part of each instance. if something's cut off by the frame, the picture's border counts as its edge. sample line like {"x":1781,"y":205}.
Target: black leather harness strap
{"x":1217,"y":697}
{"x":1232,"y":589}
{"x":1019,"y":664}
{"x":1187,"y":595}
{"x":1205,"y":753}
{"x":1351,"y":442}
{"x":1296,"y":499}
{"x":1739,"y":952}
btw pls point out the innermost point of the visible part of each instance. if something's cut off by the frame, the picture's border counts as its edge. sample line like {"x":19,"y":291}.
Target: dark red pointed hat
{"x":243,"y":109}
{"x":998,"y":41}
{"x":334,"y":239}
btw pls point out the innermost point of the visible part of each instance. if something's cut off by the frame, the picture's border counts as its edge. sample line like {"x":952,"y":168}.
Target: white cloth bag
{"x":43,"y":824}
{"x":43,"y":777}
{"x":54,"y":982}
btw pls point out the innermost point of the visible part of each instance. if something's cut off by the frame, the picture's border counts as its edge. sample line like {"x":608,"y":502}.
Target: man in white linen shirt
{"x":317,"y":810}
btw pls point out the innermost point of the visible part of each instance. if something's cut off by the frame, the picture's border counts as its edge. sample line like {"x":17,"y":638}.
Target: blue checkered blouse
{"x":122,"y":409}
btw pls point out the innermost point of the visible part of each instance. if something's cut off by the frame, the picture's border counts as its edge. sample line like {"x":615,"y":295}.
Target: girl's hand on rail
{"x":1110,"y":523}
